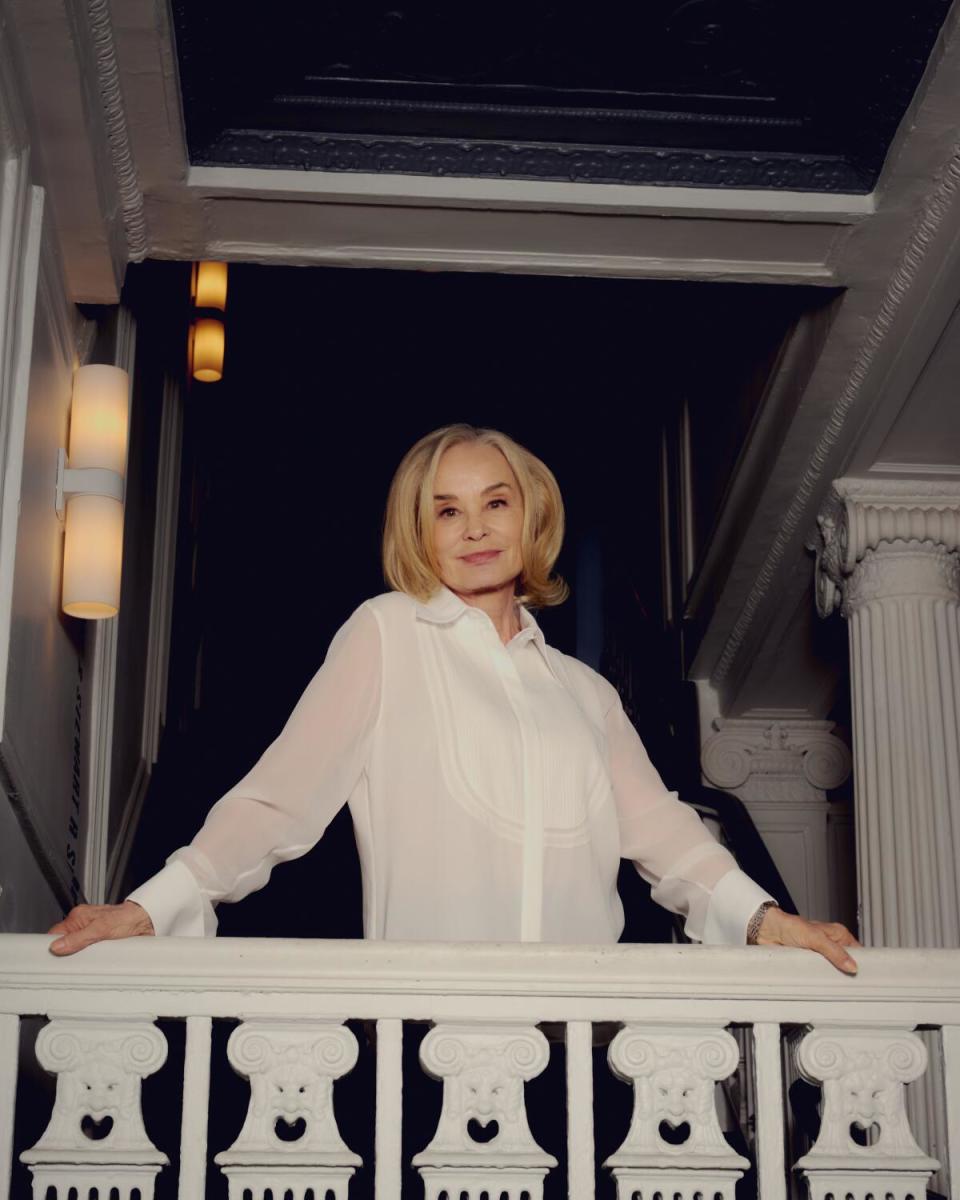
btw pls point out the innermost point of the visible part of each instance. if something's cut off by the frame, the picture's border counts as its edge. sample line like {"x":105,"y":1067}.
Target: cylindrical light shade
{"x":92,"y":557}
{"x":210,"y":285}
{"x":99,"y":418}
{"x":207,"y":345}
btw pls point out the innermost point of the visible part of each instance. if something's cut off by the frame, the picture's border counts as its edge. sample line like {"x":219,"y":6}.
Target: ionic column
{"x":887,"y":558}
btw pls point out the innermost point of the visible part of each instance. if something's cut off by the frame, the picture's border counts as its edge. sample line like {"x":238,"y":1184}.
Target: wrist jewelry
{"x":753,"y":928}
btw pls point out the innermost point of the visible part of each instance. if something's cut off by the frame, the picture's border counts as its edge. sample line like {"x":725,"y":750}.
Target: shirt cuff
{"x":175,"y":904}
{"x":733,"y":902}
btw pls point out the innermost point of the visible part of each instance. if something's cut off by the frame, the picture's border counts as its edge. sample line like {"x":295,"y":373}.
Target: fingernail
{"x":59,"y":944}
{"x":850,"y":967}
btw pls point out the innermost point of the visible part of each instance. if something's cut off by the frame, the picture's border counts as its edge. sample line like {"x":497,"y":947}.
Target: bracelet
{"x":753,"y":927}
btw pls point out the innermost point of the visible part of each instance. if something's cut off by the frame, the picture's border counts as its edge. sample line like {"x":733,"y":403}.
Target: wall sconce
{"x":90,"y":492}
{"x":207,"y":340}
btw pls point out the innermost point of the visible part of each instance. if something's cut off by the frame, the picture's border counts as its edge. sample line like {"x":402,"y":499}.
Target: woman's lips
{"x":484,"y":556}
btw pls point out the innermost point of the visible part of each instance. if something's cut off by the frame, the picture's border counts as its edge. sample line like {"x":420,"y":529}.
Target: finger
{"x":834,"y":953}
{"x":837,"y":933}
{"x":79,"y":939}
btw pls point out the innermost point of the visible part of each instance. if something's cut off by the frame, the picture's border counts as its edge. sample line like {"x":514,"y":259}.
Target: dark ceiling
{"x":798,"y":94}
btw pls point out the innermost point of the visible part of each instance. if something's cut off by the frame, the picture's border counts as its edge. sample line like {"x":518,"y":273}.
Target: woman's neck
{"x":500,"y":606}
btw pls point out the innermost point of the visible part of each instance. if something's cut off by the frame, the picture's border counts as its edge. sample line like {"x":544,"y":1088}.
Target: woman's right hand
{"x":89,"y":923}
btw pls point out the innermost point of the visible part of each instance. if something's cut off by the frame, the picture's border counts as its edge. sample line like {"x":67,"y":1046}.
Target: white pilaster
{"x":782,"y":765}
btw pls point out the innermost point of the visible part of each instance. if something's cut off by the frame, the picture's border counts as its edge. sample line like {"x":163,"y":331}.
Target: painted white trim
{"x":164,"y":565}
{"x":524,"y":262}
{"x":187,"y":976}
{"x":355,"y":187}
{"x":119,"y":852}
{"x":100,"y":653}
{"x":19,"y":284}
{"x":159,"y":631}
{"x":948,"y":470}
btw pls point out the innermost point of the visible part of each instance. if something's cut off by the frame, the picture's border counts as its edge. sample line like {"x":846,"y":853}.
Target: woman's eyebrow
{"x":491,"y":488}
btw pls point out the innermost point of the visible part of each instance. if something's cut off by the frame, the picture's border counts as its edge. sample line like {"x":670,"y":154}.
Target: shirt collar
{"x":444,"y":607}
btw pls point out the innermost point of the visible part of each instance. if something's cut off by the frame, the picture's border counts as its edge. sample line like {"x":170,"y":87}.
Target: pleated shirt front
{"x":493,"y":789}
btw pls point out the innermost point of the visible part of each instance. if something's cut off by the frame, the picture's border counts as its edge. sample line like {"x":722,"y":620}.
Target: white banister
{"x":669,"y":1009}
{"x":196,"y":1096}
{"x":770,"y":1133}
{"x":389,"y":1119}
{"x":580,"y":1147}
{"x":9,"y":1045}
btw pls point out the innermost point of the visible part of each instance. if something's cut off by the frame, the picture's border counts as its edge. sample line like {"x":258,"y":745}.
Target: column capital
{"x":797,"y":751}
{"x":862,"y":518}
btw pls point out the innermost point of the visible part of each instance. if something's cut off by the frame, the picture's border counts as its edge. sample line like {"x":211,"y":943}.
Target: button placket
{"x":531,"y":894}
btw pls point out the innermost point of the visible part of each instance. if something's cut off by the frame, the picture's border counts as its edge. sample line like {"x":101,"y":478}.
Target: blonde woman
{"x":494,"y":783}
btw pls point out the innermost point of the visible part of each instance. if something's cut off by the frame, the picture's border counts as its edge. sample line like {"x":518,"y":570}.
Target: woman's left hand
{"x":825,"y":937}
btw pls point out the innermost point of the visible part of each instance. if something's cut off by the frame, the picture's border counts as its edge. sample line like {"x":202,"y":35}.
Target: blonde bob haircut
{"x":409,"y":562}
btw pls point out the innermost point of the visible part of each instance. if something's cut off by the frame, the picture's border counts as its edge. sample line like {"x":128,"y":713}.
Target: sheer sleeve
{"x":690,"y":872}
{"x":280,"y":809}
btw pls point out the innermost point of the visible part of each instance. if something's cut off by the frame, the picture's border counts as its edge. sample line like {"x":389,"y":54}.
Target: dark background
{"x":330,"y":376}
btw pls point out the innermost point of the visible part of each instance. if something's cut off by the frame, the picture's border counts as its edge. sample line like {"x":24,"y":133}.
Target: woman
{"x":494,"y":783}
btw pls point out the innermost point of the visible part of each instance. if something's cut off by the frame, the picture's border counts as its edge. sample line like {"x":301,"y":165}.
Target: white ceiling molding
{"x":125,"y":170}
{"x":942,"y":205}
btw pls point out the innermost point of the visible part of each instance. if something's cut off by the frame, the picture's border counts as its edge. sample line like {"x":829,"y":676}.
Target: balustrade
{"x":495,"y":1015}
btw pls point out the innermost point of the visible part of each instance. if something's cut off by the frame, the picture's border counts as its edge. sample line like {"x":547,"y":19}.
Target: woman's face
{"x":477,"y":519}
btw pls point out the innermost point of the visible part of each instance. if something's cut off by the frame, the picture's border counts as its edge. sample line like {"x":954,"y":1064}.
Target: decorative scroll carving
{"x":889,"y":537}
{"x":674,"y":1145}
{"x":290,"y":1137}
{"x":483,"y":1142}
{"x":865,"y":1146}
{"x":96,"y":1137}
{"x":114,"y":113}
{"x":805,"y":750}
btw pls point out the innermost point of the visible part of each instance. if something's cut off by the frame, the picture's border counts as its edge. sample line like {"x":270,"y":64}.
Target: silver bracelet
{"x":753,"y":928}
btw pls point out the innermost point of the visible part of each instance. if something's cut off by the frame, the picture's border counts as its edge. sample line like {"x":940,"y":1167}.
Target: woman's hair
{"x":409,"y":562}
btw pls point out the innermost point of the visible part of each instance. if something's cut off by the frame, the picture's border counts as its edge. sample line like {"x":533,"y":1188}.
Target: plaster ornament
{"x":674,"y":1145}
{"x":866,"y":1147}
{"x":96,"y":1136}
{"x":483,"y":1143}
{"x":290,"y":1138}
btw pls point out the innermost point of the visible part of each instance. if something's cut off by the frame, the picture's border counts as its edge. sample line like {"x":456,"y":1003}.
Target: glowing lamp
{"x":207,"y":340}
{"x":208,"y":285}
{"x":90,"y":492}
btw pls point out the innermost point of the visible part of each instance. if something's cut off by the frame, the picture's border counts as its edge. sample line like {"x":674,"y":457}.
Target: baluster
{"x":196,"y":1095}
{"x":483,"y":1142}
{"x":388,"y":1145}
{"x":771,"y":1168}
{"x":866,"y":1147}
{"x":290,"y":1137}
{"x":96,"y":1138}
{"x":9,"y":1046}
{"x":674,"y":1145}
{"x":580,"y":1149}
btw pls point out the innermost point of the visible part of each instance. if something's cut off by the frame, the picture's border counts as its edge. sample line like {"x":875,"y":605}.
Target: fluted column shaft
{"x":903,"y":608}
{"x":889,"y":552}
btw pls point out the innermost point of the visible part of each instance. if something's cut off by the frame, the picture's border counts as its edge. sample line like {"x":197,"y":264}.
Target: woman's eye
{"x":446,"y":512}
{"x":498,"y":501}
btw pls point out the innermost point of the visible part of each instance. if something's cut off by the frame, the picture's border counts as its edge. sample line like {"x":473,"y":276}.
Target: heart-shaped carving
{"x":482,"y":1131}
{"x":96,"y":1131}
{"x":289,"y":1131}
{"x":865,"y":1135}
{"x":673,"y":1134}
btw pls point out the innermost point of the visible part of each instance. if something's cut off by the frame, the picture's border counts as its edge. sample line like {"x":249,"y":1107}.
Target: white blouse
{"x":493,"y":789}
